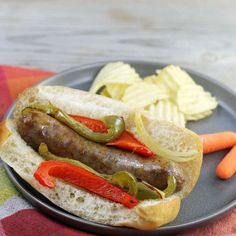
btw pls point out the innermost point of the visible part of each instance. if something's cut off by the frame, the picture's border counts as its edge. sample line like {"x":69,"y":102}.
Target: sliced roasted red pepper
{"x":94,"y":125}
{"x":82,"y":178}
{"x":129,"y":142}
{"x":126,"y":141}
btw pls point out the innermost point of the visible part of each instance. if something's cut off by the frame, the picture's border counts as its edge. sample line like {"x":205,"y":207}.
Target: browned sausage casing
{"x":36,"y":127}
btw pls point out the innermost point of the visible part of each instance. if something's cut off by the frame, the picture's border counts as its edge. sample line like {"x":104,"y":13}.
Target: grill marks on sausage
{"x":36,"y":127}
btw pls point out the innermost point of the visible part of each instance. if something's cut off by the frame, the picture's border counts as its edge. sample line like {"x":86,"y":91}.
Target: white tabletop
{"x":60,"y":34}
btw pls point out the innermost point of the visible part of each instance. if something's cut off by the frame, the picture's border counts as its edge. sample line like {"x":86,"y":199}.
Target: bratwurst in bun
{"x":99,"y":159}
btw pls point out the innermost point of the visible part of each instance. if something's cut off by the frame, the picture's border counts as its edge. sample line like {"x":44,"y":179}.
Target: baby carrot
{"x":227,"y":167}
{"x":218,"y":141}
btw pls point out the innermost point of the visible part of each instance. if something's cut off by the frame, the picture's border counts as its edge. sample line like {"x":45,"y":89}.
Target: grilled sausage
{"x":36,"y":127}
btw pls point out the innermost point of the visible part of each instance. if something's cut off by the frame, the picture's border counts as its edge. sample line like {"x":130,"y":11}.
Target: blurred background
{"x":56,"y":35}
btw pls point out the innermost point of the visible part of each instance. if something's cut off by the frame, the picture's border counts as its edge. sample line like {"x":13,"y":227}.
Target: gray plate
{"x":211,"y":197}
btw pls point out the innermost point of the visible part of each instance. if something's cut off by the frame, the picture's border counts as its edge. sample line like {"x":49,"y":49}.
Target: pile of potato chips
{"x":171,"y":94}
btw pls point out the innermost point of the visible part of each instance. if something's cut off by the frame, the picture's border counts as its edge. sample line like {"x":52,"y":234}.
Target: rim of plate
{"x":197,"y":222}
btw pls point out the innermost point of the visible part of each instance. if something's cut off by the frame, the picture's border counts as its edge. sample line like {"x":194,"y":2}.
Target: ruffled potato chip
{"x":153,"y":79}
{"x":115,"y":73}
{"x":166,"y":110}
{"x":198,"y":116}
{"x":143,"y":94}
{"x":193,"y":99}
{"x":116,"y":91}
{"x":179,"y":97}
{"x":174,"y":77}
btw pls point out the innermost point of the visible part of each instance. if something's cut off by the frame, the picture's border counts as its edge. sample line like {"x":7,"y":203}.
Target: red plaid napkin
{"x":17,"y":216}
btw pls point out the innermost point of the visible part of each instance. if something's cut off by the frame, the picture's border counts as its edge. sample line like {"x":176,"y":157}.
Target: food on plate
{"x":142,"y":94}
{"x":115,"y":74}
{"x":100,"y":159}
{"x":192,"y":100}
{"x":83,"y":178}
{"x":217,"y":141}
{"x":227,"y":167}
{"x":167,"y":110}
{"x":174,"y":77}
{"x":184,"y":100}
{"x":115,"y":91}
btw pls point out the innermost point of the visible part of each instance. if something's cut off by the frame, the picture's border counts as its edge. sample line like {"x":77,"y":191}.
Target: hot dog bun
{"x":147,"y":214}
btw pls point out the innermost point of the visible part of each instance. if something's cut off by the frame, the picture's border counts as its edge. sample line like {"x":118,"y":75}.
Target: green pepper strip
{"x":147,"y":191}
{"x":44,"y":152}
{"x":115,"y":124}
{"x":171,"y":186}
{"x":125,"y":180}
{"x":99,"y":91}
{"x":122,"y":178}
{"x":141,"y":189}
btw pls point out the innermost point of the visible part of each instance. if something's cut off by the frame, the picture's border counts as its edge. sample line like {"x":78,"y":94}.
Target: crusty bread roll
{"x":148,"y":214}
